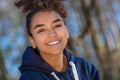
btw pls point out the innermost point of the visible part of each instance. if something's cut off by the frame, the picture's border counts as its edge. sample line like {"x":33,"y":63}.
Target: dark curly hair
{"x":31,"y":7}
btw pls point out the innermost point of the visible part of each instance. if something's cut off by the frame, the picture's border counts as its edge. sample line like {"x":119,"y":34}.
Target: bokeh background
{"x":94,"y":28}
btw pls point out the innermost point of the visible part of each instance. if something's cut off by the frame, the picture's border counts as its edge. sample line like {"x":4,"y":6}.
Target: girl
{"x":48,"y":59}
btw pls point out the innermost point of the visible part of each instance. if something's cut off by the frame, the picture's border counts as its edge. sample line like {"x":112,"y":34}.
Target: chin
{"x":54,"y":51}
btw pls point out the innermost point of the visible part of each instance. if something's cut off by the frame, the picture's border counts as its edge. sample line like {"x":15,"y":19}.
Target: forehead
{"x":45,"y":17}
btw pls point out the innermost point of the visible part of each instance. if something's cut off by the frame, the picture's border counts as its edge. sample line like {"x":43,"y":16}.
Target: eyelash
{"x":58,"y":26}
{"x":41,"y":30}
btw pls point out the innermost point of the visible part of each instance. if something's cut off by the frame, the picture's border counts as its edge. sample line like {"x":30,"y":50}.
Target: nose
{"x":52,"y":33}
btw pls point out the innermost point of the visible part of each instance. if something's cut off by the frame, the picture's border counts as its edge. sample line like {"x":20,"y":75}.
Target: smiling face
{"x":49,"y":33}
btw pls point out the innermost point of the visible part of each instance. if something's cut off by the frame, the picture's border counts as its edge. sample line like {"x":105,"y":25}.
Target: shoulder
{"x":85,"y":66}
{"x":32,"y":75}
{"x":82,"y":61}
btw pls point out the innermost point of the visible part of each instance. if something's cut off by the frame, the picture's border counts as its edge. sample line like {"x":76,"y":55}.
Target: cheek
{"x":64,"y":33}
{"x":39,"y":39}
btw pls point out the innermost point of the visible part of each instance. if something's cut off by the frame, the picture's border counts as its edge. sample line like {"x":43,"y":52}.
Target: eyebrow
{"x":40,"y":25}
{"x":57,"y":20}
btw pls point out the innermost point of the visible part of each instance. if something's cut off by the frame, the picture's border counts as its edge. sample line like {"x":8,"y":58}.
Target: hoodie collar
{"x":32,"y":60}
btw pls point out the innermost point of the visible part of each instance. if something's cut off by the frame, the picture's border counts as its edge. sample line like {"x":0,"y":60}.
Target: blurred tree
{"x":94,"y":27}
{"x":12,"y":40}
{"x":3,"y":71}
{"x":100,"y":28}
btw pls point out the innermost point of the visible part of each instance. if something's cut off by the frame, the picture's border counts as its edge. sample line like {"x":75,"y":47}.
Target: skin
{"x":49,"y":35}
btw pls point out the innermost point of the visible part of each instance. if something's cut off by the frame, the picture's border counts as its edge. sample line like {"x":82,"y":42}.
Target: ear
{"x":67,"y":32}
{"x":32,"y":42}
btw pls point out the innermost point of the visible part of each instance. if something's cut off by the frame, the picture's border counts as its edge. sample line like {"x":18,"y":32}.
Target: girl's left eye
{"x":57,"y":26}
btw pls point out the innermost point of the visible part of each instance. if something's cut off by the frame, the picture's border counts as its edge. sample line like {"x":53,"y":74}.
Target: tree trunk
{"x":3,"y":71}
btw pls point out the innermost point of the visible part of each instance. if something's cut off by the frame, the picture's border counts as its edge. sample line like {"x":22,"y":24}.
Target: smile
{"x":53,"y":43}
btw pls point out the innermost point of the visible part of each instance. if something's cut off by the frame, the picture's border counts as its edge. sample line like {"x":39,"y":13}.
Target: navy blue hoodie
{"x":33,"y":67}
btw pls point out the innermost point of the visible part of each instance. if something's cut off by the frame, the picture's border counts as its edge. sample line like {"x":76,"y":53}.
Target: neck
{"x":57,"y":62}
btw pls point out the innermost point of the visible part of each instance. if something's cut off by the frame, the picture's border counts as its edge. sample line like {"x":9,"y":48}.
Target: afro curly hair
{"x":32,"y":6}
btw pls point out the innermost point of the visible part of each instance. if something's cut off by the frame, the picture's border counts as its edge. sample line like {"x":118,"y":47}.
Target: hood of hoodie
{"x":32,"y":60}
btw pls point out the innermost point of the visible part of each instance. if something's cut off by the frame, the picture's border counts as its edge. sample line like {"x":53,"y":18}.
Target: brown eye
{"x":57,"y":26}
{"x":41,"y":30}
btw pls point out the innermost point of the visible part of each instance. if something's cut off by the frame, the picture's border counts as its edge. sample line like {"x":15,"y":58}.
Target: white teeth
{"x":53,"y":43}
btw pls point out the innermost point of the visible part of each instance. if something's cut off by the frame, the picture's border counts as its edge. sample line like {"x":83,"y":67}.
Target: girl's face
{"x":49,"y":33}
